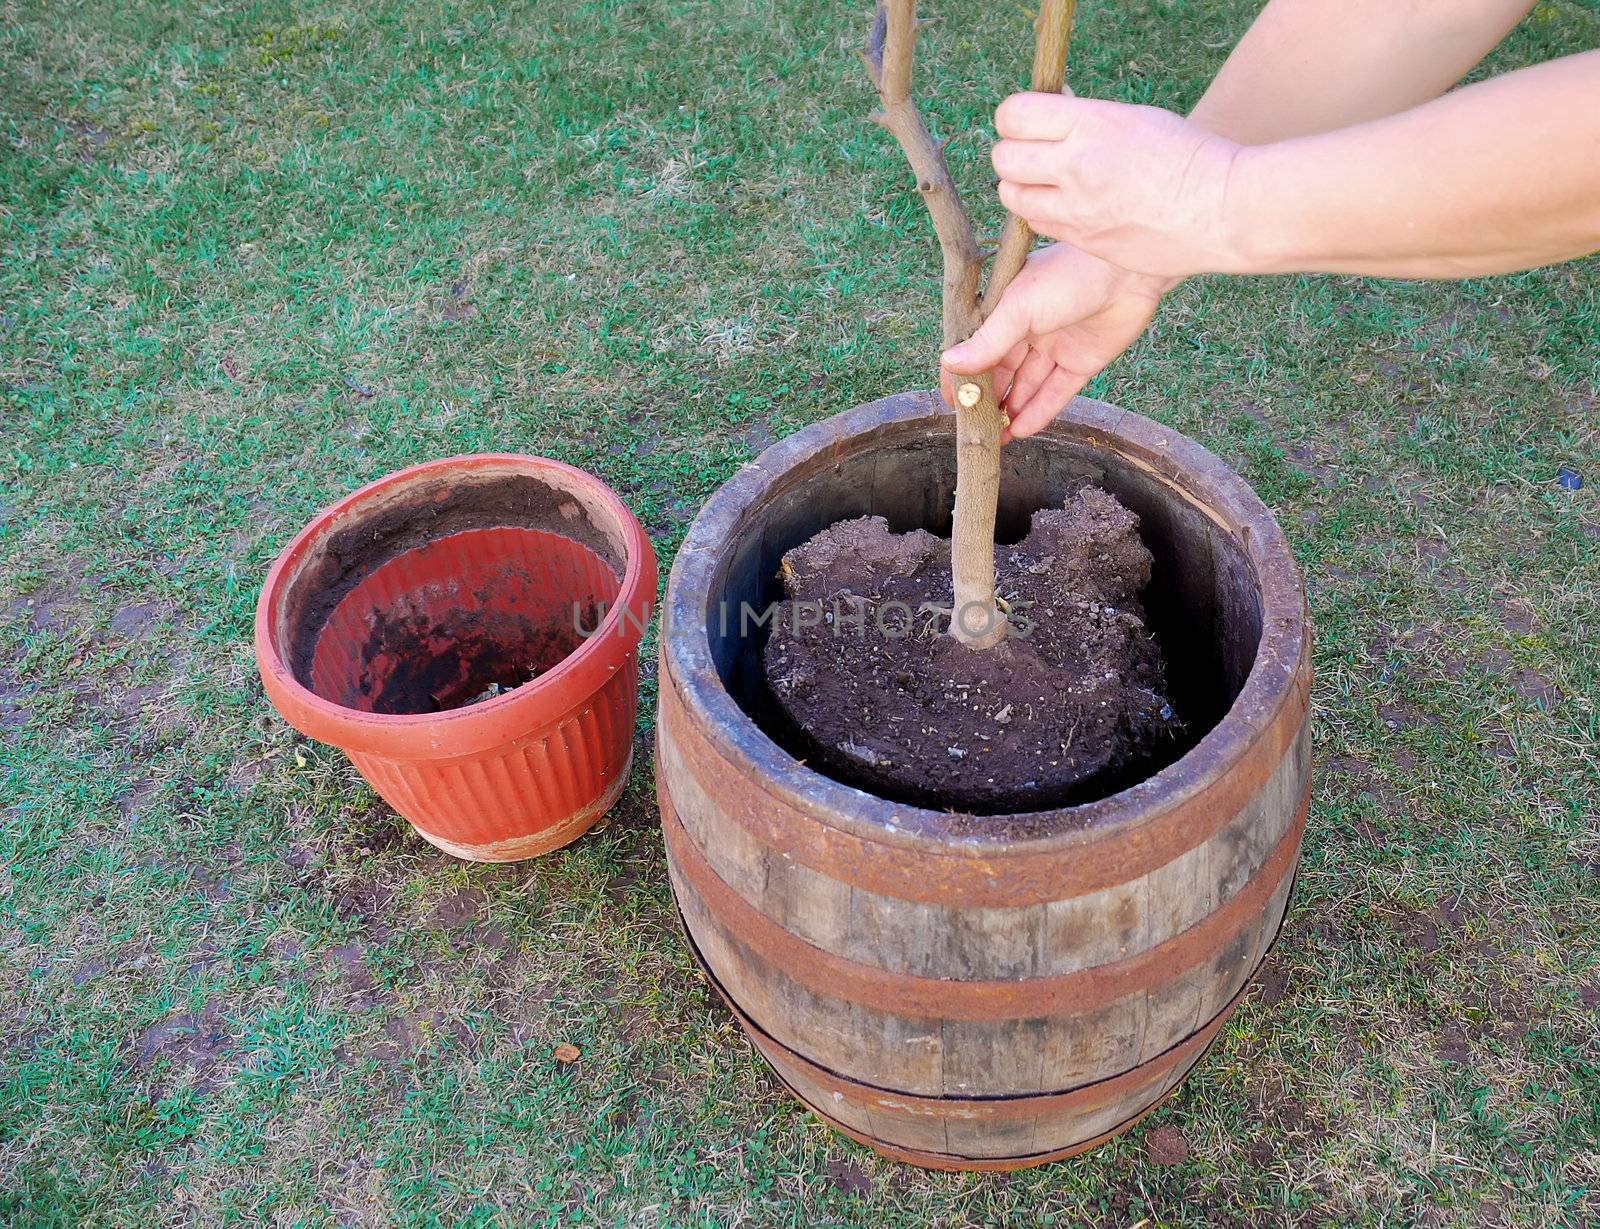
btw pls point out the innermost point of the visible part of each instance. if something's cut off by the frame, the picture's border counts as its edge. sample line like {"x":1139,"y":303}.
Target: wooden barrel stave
{"x":949,"y":939}
{"x":988,"y":1129}
{"x":1057,"y":1053}
{"x":1002,"y":1036}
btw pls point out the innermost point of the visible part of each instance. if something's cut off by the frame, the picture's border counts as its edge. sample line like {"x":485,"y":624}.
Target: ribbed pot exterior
{"x":518,"y":773}
{"x":985,"y":992}
{"x":533,"y":795}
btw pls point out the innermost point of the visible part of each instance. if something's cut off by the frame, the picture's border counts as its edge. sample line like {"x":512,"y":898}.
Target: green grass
{"x":256,"y":255}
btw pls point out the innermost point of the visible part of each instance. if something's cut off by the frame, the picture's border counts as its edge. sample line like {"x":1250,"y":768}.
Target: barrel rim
{"x":1189,"y":470}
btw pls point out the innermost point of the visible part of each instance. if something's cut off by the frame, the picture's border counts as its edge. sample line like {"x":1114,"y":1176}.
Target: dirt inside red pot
{"x":1071,"y":705}
{"x":438,"y":659}
{"x":450,"y":597}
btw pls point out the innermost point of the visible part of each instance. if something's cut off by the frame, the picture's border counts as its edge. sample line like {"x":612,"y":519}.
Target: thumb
{"x":995,"y":339}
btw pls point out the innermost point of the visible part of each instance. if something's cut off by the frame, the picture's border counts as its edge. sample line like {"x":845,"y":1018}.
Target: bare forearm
{"x":1496,"y":177}
{"x":1309,"y":66}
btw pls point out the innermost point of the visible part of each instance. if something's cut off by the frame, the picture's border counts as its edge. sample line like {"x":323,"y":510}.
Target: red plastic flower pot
{"x":467,"y":632}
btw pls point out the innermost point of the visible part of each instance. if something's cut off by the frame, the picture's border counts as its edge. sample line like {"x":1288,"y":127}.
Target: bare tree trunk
{"x":975,"y":619}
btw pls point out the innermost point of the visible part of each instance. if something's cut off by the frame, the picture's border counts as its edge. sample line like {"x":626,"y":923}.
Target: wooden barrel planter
{"x":987,"y":992}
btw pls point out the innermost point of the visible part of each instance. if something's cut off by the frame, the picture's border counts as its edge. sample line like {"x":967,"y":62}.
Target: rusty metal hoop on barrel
{"x":987,"y":992}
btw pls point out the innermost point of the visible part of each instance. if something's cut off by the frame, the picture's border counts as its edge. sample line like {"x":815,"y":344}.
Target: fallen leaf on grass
{"x":849,"y":1179}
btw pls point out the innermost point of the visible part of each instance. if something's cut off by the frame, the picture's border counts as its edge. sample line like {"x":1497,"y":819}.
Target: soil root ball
{"x":1071,"y":705}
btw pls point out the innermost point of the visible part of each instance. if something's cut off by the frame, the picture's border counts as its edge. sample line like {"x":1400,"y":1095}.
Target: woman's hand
{"x":1137,"y":186}
{"x":1063,"y":319}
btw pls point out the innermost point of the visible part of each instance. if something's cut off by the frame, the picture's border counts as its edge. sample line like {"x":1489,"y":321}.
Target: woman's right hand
{"x":1059,"y":324}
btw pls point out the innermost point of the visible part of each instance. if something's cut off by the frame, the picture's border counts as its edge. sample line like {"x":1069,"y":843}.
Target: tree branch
{"x":976,"y":621}
{"x":1051,"y":30}
{"x":887,"y":57}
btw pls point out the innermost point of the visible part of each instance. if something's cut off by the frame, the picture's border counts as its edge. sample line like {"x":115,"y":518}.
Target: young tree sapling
{"x":976,"y":619}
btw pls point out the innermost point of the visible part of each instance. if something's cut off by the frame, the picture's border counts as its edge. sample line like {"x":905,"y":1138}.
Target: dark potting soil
{"x":432,"y":512}
{"x":1070,"y":706}
{"x":436,"y":664}
{"x":427,"y":661}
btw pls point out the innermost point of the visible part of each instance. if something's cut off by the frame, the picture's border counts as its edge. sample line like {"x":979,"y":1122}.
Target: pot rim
{"x":1276,"y":683}
{"x":524,"y":711}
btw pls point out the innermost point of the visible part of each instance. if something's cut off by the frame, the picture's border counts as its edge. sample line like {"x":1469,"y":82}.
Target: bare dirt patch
{"x":639,"y":868}
{"x":1166,"y":1146}
{"x":1453,"y":1046}
{"x":458,"y":908}
{"x":457,"y":306}
{"x":1400,"y":716}
{"x":350,"y":960}
{"x":134,"y":804}
{"x":14,"y":711}
{"x":1284,"y":1112}
{"x":848,"y":1178}
{"x":213,"y":880}
{"x":1453,"y":912}
{"x":132,"y":622}
{"x":1416,"y":931}
{"x":1533,"y":686}
{"x":50,"y":608}
{"x":756,"y":436}
{"x":379,"y":831}
{"x":192,"y":1041}
{"x":1369,"y":832}
{"x":1272,"y":983}
{"x":1516,"y":617}
{"x":365,"y":902}
{"x":127,"y":704}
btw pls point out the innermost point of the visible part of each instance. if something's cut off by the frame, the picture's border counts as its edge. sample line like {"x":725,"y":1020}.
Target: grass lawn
{"x":256,"y":255}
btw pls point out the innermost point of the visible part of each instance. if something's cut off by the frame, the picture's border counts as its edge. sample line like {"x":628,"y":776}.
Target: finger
{"x":1040,"y":117}
{"x":1050,"y":399}
{"x":989,"y":345}
{"x":1005,"y":371}
{"x":1034,"y":372}
{"x":1061,"y":232}
{"x":1038,"y":206}
{"x":1026,"y":162}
